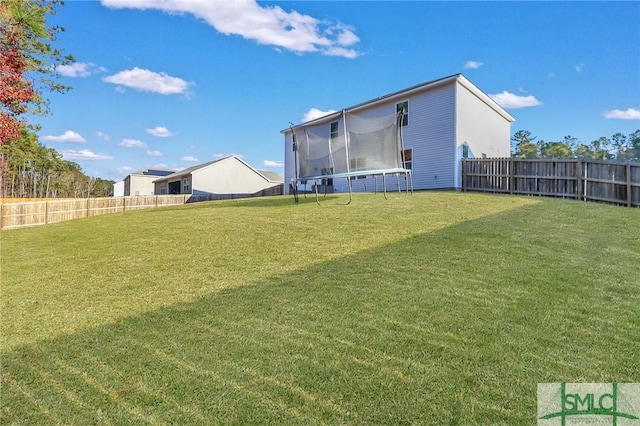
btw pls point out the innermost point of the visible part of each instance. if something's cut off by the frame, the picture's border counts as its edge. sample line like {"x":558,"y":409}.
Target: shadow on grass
{"x":387,"y":336}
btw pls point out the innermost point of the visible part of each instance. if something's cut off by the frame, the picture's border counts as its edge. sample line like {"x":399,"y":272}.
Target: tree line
{"x":31,"y":170}
{"x":617,"y":147}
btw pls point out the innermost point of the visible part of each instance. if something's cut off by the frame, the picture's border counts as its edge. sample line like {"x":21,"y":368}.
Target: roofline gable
{"x":195,"y":169}
{"x":459,"y":78}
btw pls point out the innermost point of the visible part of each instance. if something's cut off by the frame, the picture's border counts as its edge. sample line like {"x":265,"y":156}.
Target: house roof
{"x":192,"y":169}
{"x":409,"y":91}
{"x":272,"y":176}
{"x":153,"y":172}
{"x":269,"y":176}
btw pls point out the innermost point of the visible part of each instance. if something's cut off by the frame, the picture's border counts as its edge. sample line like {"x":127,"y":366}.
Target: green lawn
{"x":436,"y":308}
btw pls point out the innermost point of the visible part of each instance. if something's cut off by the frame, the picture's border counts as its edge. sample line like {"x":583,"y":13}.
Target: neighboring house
{"x":118,"y":189}
{"x":446,"y":120}
{"x":228,"y":177}
{"x":139,"y":183}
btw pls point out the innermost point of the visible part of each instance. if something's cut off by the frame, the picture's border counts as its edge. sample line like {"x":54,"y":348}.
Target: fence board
{"x":604,"y":181}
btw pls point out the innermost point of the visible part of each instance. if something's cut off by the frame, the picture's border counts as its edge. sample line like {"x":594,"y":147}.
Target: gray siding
{"x":485,"y":132}
{"x":431,"y":135}
{"x":289,"y":161}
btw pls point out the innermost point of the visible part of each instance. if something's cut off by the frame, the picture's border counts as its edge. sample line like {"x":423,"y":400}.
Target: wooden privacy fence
{"x":589,"y":180}
{"x":16,"y":215}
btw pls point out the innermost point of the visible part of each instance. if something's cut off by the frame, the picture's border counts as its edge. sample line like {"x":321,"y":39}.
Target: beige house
{"x":228,"y":177}
{"x":139,"y":183}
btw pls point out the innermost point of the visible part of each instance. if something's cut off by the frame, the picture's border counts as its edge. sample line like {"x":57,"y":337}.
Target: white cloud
{"x":125,"y":170}
{"x":268,"y":25}
{"x":578,"y":68}
{"x":270,"y":163}
{"x":68,"y":136}
{"x":132,"y":143}
{"x":160,"y":132}
{"x":149,"y":81}
{"x":472,"y":65}
{"x":314,"y":113}
{"x":103,"y":136}
{"x":509,"y":100}
{"x":629,"y":114}
{"x":79,"y":69}
{"x":154,"y":153}
{"x":189,"y":158}
{"x":84,"y":154}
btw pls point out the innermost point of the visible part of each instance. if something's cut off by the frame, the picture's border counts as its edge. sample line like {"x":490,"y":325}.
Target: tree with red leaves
{"x":26,"y":52}
{"x":16,"y":92}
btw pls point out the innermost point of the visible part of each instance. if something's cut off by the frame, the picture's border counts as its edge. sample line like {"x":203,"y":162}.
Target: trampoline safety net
{"x":351,"y":146}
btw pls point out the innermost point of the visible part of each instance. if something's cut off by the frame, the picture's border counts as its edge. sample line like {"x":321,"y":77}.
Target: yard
{"x":435,"y":308}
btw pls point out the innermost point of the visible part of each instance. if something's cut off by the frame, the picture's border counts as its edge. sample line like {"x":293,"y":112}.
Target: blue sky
{"x":173,"y":83}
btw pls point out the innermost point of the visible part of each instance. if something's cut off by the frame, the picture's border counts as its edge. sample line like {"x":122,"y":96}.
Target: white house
{"x":446,"y":120}
{"x":139,"y":183}
{"x":118,"y":189}
{"x":228,"y":177}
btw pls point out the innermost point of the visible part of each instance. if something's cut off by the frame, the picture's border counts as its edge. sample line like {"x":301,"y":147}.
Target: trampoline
{"x":351,"y":147}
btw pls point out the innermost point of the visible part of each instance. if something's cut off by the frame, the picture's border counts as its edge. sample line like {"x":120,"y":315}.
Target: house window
{"x":465,"y":151}
{"x":407,"y":159}
{"x":185,"y":186}
{"x":334,"y":129}
{"x":327,"y":171}
{"x":359,"y":163}
{"x":403,"y":107}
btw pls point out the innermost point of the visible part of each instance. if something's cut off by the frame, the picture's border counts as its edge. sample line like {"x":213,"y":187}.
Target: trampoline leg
{"x":350,"y":192}
{"x":316,"y":188}
{"x":411,"y":181}
{"x":384,"y":185}
{"x":398,"y":182}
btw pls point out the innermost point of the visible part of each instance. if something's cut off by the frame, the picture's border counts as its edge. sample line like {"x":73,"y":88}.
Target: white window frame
{"x":409,"y":162}
{"x":405,"y":118}
{"x":333,"y":133}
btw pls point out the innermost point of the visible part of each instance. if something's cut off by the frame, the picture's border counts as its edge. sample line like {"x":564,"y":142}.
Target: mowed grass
{"x":436,"y":308}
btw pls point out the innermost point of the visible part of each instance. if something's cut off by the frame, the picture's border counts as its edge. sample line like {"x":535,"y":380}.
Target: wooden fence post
{"x":1,"y":215}
{"x":464,"y":175}
{"x":46,"y":212}
{"x":512,"y":173}
{"x":628,"y":171}
{"x":579,"y":178}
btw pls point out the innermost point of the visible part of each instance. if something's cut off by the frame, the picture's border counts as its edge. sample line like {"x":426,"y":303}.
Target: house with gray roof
{"x":228,"y":177}
{"x":139,"y":183}
{"x":443,"y":122}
